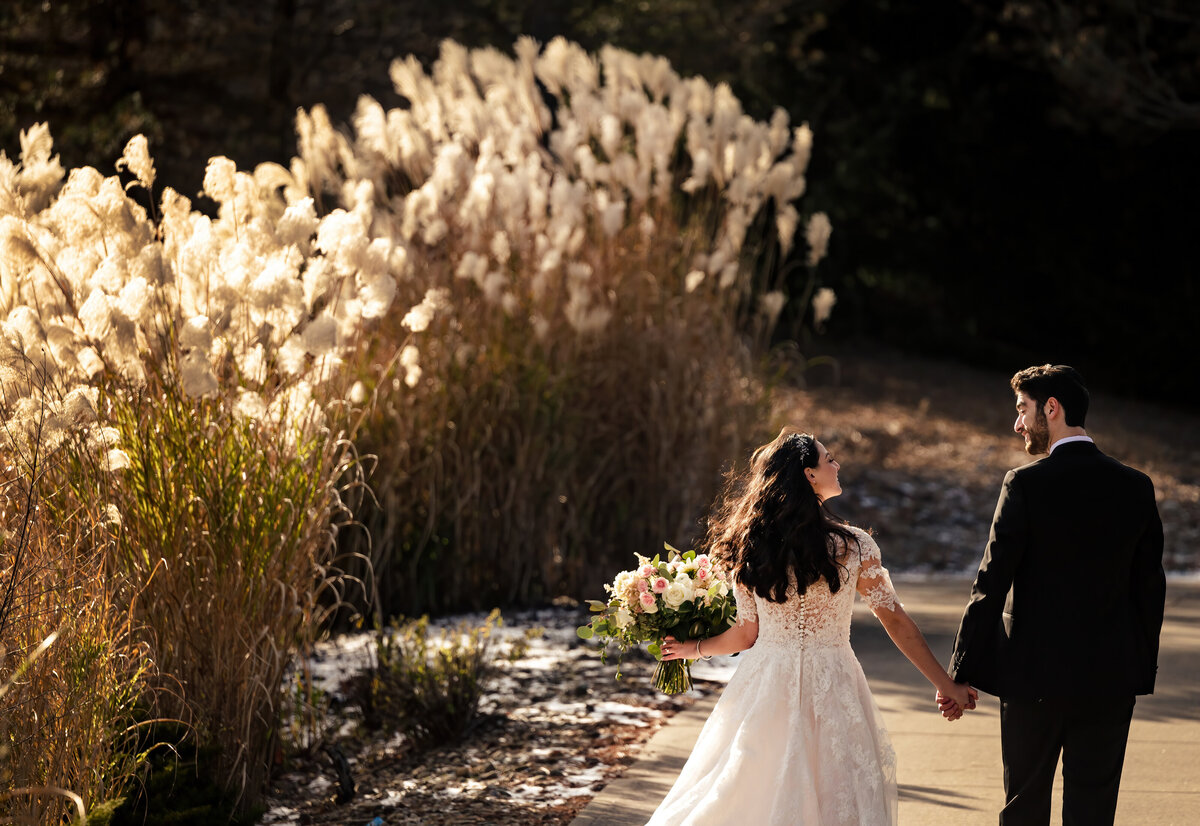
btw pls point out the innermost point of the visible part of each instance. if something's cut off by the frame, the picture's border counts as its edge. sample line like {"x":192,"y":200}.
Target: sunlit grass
{"x":75,"y":672}
{"x":538,"y":320}
{"x":228,"y":526}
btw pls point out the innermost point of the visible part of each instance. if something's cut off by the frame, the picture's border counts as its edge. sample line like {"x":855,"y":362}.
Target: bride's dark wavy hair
{"x":770,"y":522}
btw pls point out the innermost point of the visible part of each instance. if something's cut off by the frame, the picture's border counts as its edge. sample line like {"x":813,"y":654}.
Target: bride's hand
{"x":672,"y":649}
{"x":959,"y":699}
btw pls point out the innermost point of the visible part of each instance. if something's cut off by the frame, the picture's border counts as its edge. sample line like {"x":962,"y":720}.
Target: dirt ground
{"x":555,"y":727}
{"x":924,"y":446}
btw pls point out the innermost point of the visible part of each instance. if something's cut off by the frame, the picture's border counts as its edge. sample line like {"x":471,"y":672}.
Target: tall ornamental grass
{"x":236,"y":584}
{"x":75,"y":674}
{"x":209,"y":351}
{"x":533,"y":300}
{"x":591,"y":250}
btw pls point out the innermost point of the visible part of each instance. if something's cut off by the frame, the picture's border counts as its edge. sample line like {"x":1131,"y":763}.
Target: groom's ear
{"x":1052,"y":407}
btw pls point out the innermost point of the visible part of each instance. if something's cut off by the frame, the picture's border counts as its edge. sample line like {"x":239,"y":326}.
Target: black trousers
{"x":1090,"y":734}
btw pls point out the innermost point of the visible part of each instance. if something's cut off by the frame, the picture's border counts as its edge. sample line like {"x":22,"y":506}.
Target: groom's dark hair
{"x":1059,"y":381}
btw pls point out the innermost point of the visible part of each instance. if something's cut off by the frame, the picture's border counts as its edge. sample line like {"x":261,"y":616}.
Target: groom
{"x":1065,"y":612}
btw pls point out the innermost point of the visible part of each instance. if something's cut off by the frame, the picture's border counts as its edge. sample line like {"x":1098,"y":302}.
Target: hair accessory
{"x":804,"y":445}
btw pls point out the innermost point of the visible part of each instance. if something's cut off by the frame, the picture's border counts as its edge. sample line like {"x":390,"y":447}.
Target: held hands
{"x":960,"y":699}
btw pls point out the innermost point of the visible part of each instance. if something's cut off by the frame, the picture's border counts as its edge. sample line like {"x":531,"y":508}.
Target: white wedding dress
{"x":796,"y":737}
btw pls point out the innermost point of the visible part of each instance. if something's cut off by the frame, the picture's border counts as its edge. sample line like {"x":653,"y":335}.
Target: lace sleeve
{"x":747,"y":611}
{"x":874,"y":582}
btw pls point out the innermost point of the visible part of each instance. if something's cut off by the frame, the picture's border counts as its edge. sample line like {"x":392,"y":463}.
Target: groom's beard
{"x":1038,"y":437}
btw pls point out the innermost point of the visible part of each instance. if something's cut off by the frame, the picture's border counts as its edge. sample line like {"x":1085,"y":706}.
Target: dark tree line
{"x":1008,"y":182}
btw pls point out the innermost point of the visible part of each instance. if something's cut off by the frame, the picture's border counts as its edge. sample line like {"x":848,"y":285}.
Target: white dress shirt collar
{"x":1066,"y":439}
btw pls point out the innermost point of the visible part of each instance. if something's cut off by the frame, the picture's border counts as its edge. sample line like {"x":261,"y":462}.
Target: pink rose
{"x":702,"y":574}
{"x":643,"y":586}
{"x":660,"y":584}
{"x":647,"y":570}
{"x":703,"y":561}
{"x":647,"y":599}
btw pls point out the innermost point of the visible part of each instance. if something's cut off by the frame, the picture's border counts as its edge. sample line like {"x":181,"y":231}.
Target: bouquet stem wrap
{"x":673,"y":676}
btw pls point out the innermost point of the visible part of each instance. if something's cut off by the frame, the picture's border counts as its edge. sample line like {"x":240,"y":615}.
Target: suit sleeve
{"x":1149,"y":590}
{"x":1007,"y":542}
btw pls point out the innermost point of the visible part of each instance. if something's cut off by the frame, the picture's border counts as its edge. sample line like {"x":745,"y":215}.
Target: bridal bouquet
{"x":685,"y":596}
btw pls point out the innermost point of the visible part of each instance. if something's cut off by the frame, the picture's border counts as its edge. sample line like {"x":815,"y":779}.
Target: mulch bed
{"x":556,"y":728}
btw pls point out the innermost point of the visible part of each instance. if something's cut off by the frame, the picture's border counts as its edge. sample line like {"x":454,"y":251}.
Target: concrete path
{"x":950,"y":773}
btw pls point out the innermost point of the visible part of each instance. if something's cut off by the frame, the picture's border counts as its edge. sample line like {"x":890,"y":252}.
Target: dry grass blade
{"x":231,"y":538}
{"x":73,"y":674}
{"x":32,"y":791}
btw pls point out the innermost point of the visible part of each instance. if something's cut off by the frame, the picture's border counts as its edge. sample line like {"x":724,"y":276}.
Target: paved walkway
{"x":950,"y":773}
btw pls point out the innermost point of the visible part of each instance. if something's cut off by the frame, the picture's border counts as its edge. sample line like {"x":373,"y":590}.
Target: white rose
{"x":676,"y":594}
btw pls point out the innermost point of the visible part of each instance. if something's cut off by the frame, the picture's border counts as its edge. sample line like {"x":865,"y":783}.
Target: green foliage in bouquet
{"x":686,"y":596}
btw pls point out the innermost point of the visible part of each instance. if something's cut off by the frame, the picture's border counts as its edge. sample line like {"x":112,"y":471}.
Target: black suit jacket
{"x":1069,"y":597}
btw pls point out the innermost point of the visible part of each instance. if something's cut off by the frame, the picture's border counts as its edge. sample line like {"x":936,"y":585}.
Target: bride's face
{"x":824,"y":477}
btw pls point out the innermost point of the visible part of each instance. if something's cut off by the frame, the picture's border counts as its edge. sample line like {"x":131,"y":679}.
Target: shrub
{"x":427,"y":689}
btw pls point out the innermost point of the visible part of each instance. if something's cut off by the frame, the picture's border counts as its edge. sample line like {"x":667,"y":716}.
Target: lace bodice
{"x":819,"y":617}
{"x":796,"y":738}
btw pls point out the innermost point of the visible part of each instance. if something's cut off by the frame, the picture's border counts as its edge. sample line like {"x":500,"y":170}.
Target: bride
{"x":796,"y":737}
